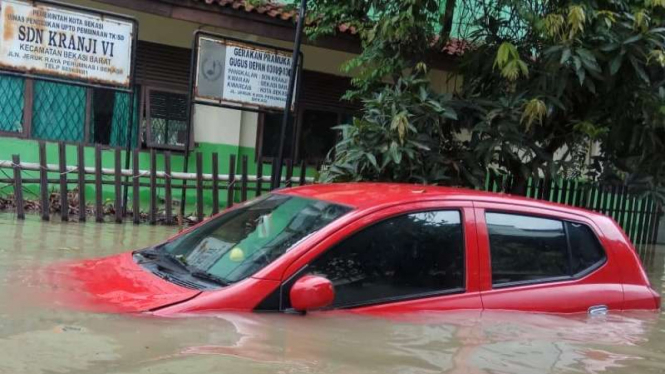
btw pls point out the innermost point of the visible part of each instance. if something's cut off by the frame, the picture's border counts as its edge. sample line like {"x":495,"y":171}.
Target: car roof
{"x":367,"y":195}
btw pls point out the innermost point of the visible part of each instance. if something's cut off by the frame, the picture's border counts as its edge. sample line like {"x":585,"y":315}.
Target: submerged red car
{"x":374,"y":247}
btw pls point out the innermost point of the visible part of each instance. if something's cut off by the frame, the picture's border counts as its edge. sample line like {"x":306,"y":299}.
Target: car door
{"x":410,"y":257}
{"x":541,"y":260}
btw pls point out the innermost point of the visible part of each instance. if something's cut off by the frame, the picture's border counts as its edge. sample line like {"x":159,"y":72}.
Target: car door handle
{"x":598,"y":310}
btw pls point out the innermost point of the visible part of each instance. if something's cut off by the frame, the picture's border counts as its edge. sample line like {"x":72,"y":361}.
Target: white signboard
{"x":240,"y":73}
{"x":49,"y":40}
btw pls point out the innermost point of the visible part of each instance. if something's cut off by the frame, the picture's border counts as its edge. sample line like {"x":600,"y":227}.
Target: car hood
{"x":114,"y":284}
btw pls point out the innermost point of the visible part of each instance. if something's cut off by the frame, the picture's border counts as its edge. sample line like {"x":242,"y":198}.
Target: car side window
{"x":402,"y":257}
{"x":526,"y":249}
{"x":587,"y":252}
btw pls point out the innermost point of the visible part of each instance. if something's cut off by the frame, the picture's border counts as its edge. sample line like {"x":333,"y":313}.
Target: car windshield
{"x":239,"y":243}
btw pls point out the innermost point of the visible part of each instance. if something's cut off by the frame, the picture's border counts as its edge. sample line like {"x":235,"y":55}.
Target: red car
{"x":376,"y":248}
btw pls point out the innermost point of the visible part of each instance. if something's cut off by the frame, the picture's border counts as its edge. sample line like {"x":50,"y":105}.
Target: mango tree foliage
{"x":542,"y":80}
{"x":572,"y":73}
{"x":406,"y":133}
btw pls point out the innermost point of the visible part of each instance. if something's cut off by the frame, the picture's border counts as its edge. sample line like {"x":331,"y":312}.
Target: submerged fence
{"x":236,"y":185}
{"x":638,"y":216}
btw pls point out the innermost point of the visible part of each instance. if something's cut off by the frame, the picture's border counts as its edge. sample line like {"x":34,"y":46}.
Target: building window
{"x":109,"y":116}
{"x":102,"y":116}
{"x":402,"y":257}
{"x":268,"y":138}
{"x":59,"y":112}
{"x":317,"y":135}
{"x":166,"y":118}
{"x":45,"y":110}
{"x":11,"y":108}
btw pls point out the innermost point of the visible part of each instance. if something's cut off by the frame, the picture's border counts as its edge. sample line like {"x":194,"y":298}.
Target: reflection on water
{"x":38,"y":339}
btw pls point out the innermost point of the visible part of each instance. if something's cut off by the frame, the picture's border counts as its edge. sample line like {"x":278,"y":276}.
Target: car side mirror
{"x":311,"y":292}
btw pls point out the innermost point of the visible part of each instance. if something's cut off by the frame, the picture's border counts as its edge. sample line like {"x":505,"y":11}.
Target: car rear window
{"x":527,"y":249}
{"x":585,"y":248}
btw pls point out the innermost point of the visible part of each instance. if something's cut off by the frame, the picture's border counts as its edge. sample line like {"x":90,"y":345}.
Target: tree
{"x":541,"y":81}
{"x":567,"y":73}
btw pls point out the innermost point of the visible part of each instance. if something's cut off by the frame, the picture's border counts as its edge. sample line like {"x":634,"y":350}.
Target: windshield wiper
{"x":209,"y":277}
{"x":194,"y":272}
{"x":154,"y":254}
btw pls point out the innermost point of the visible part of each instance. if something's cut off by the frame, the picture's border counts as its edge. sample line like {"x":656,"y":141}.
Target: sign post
{"x":289,"y":95}
{"x":242,"y":75}
{"x":236,"y":74}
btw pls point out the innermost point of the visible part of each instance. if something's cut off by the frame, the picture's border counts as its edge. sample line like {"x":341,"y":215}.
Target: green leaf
{"x":372,"y":159}
{"x":588,"y":60}
{"x":615,"y":64}
{"x":632,"y":39}
{"x":581,"y":75}
{"x":639,"y":69}
{"x":397,"y":157}
{"x":590,"y":85}
{"x":577,"y":62}
{"x":450,"y":114}
{"x":610,"y":47}
{"x":419,"y":145}
{"x":565,"y":56}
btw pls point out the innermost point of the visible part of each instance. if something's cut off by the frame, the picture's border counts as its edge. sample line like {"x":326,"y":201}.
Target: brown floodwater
{"x":40,"y":339}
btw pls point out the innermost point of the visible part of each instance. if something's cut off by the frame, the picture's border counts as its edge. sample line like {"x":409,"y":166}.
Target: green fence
{"x":639,"y":216}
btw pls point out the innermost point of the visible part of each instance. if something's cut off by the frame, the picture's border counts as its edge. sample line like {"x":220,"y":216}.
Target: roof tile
{"x":277,"y":10}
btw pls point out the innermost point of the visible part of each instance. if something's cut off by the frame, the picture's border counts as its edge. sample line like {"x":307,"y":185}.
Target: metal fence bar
{"x":43,"y":183}
{"x":231,"y":185}
{"x":613,"y":196}
{"x":118,"y":184}
{"x":289,"y":172}
{"x":215,"y":183}
{"x":622,"y":205}
{"x":199,"y":187}
{"x":99,"y":214}
{"x":555,"y":192}
{"x":654,"y":232}
{"x":632,"y":217}
{"x":243,"y":180}
{"x":646,"y":222}
{"x":168,"y":212}
{"x":152,"y":215}
{"x":303,"y":173}
{"x":18,"y":187}
{"x":136,"y":208}
{"x":259,"y":176}
{"x":81,"y":184}
{"x":64,"y":203}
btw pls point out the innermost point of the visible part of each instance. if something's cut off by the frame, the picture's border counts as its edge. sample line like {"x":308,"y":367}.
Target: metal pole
{"x":190,"y":97}
{"x":289,"y":96}
{"x":130,"y":127}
